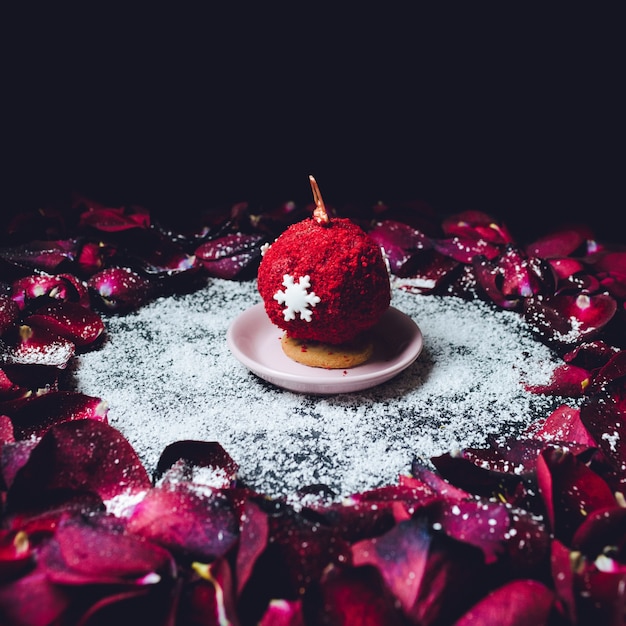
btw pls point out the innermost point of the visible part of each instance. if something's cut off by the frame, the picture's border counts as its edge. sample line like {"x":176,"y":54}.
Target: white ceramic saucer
{"x":255,"y":342}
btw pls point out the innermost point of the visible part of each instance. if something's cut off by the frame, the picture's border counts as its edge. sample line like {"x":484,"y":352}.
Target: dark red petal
{"x":562,"y":570}
{"x":9,"y":313}
{"x":605,"y":419}
{"x":603,"y":533}
{"x":570,"y":491}
{"x":283,"y":613}
{"x":354,"y":596}
{"x":34,"y":417}
{"x":115,"y":219}
{"x":427,"y":272}
{"x":59,"y":287}
{"x":208,"y":598}
{"x":562,"y":243}
{"x":400,"y":243}
{"x":252,"y":543}
{"x":611,"y":373}
{"x":120,"y":289}
{"x":518,"y":603}
{"x":563,"y":425}
{"x":476,"y":225}
{"x":95,"y":551}
{"x":93,"y":256}
{"x":70,"y":320}
{"x":465,"y":250}
{"x":400,"y":555}
{"x":48,"y":256}
{"x":565,"y":380}
{"x":229,"y":256}
{"x":33,"y":600}
{"x":590,"y":355}
{"x":83,"y":456}
{"x":480,"y":523}
{"x":34,"y":346}
{"x":16,"y":554}
{"x":200,"y":528}
{"x":569,"y":319}
{"x":566,"y":268}
{"x":198,"y":454}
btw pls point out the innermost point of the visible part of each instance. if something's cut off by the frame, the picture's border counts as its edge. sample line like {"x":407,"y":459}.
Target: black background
{"x":514,"y":112}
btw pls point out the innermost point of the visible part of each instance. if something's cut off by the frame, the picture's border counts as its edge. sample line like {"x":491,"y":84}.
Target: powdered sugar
{"x":167,"y":375}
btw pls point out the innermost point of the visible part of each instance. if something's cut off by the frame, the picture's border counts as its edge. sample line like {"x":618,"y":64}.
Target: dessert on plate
{"x":325,"y":283}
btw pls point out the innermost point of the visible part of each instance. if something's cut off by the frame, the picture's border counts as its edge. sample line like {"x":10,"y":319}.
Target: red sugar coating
{"x":347,"y":272}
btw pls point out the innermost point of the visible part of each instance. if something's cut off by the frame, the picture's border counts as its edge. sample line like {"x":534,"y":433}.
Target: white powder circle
{"x":167,"y":374}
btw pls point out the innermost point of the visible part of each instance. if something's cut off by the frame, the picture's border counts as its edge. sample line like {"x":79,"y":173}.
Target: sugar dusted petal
{"x":563,"y":425}
{"x":9,"y":313}
{"x":568,"y":319}
{"x":465,"y":250}
{"x":198,"y":527}
{"x":70,"y":320}
{"x":33,"y":346}
{"x":565,"y":380}
{"x":58,"y":287}
{"x":74,"y":457}
{"x":120,"y":289}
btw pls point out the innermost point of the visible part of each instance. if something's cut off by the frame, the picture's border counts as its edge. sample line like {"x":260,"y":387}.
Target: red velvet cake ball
{"x":325,"y":282}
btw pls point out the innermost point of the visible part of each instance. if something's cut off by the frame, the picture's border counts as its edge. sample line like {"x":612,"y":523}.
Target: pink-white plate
{"x":255,"y":341}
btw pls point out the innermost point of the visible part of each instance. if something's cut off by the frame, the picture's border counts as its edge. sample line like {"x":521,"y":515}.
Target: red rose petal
{"x":33,"y":346}
{"x":229,"y":256}
{"x":569,"y":319}
{"x":96,"y":551}
{"x":33,"y":599}
{"x":9,"y":313}
{"x":566,"y":268}
{"x":401,"y":556}
{"x":565,"y":380}
{"x":354,"y":595}
{"x":283,"y":613}
{"x":476,"y":225}
{"x":197,"y":528}
{"x":34,"y":417}
{"x":48,"y":256}
{"x":58,"y":287}
{"x":562,"y":243}
{"x":83,"y":456}
{"x":120,"y":289}
{"x":465,"y":250}
{"x":401,"y":243}
{"x":518,"y":603}
{"x":563,"y":425}
{"x":117,"y":219}
{"x":70,"y":320}
{"x":570,"y":491}
{"x":605,"y":419}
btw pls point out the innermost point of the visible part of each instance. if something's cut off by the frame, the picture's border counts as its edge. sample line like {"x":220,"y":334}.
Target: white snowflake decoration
{"x":297,"y":298}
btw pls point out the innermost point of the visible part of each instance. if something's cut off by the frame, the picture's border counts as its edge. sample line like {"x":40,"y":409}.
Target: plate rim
{"x":331,"y":384}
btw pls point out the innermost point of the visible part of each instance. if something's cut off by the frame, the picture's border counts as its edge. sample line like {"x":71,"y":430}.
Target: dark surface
{"x":514,"y":113}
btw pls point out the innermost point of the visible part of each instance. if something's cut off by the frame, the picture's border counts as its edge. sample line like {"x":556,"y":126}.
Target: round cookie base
{"x":326,"y":355}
